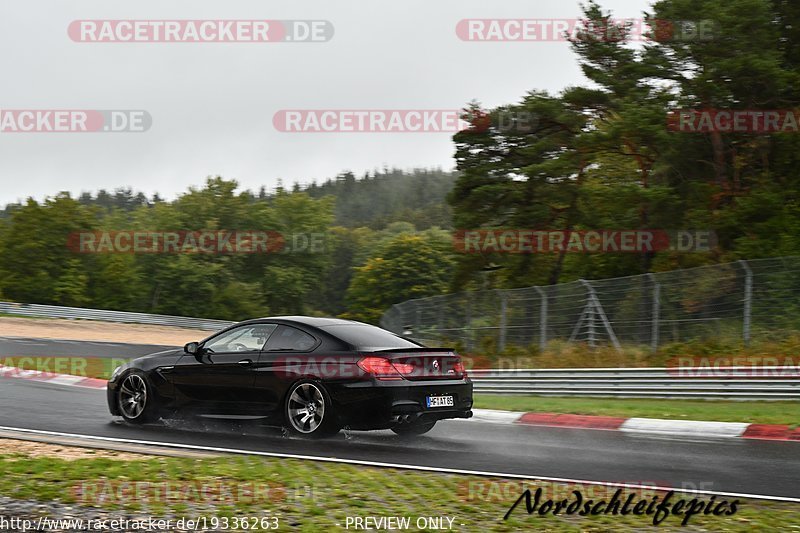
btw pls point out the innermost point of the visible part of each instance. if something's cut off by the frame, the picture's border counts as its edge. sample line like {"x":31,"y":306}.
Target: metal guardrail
{"x":51,"y":311}
{"x":738,"y":382}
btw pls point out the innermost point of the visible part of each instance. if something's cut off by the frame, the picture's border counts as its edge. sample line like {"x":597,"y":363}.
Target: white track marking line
{"x":397,"y":466}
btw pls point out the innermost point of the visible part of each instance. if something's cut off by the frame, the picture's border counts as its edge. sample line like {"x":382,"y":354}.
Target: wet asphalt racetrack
{"x":729,"y":465}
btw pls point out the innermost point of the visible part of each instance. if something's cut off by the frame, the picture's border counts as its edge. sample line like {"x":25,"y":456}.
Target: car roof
{"x":306,"y":320}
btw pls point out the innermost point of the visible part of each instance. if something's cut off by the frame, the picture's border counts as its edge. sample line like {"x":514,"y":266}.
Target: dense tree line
{"x":390,"y":196}
{"x":598,"y":156}
{"x":601,"y":155}
{"x":39,"y":262}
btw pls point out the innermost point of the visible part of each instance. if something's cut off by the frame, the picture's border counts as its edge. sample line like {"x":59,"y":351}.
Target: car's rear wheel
{"x":414,"y":428}
{"x":309,"y":410}
{"x":135,"y":398}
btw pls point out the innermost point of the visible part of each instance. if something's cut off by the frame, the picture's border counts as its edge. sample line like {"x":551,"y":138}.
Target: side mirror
{"x":191,"y":348}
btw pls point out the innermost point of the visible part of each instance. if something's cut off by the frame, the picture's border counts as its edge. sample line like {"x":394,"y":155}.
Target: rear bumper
{"x":380,"y":404}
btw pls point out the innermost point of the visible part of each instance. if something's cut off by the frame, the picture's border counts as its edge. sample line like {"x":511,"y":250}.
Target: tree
{"x":600,"y":156}
{"x":407,"y":266}
{"x":37,"y":264}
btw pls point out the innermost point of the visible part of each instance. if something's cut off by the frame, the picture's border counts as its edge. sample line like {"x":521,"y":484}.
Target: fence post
{"x":542,"y":319}
{"x":440,"y":325}
{"x":656,"y":311}
{"x":403,"y":320}
{"x":748,"y":301}
{"x":593,"y":306}
{"x":501,"y":341}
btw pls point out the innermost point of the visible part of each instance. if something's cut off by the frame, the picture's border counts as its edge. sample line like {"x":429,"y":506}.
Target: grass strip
{"x":309,"y":496}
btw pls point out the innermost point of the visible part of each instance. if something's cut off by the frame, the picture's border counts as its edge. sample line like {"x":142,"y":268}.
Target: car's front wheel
{"x":309,"y":410}
{"x":414,"y":428}
{"x":135,"y":398}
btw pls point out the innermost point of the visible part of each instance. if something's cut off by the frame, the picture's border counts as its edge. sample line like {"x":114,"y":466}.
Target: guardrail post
{"x":656,"y":311}
{"x":501,"y":340}
{"x":748,"y":301}
{"x":542,"y":319}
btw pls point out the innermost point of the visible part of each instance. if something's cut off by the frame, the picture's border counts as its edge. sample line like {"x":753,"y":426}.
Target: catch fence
{"x":742,"y":299}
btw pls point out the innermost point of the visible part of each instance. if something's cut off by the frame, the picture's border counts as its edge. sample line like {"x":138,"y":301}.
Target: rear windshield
{"x":368,"y":338}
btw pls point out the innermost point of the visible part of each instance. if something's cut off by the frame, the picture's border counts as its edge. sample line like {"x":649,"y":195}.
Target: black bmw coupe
{"x":311,"y":375}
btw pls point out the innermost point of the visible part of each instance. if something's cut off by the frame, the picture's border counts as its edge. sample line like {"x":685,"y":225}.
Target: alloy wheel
{"x":306,"y":408}
{"x":133,"y":396}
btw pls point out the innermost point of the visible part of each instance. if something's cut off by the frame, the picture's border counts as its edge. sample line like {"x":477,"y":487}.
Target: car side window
{"x":287,"y":338}
{"x":249,"y":338}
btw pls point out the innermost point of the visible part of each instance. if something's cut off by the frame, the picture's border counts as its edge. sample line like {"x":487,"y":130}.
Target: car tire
{"x":308,"y":410}
{"x":136,"y":398}
{"x":413,"y":429}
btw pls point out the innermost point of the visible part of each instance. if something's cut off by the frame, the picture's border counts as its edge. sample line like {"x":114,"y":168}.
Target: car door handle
{"x":245,"y":362}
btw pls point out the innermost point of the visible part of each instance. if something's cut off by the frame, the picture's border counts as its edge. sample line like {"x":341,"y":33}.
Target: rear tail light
{"x":413,"y":368}
{"x":404,"y":368}
{"x":380,"y":368}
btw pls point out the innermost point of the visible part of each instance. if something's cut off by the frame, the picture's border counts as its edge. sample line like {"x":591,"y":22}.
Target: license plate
{"x":439,"y":401}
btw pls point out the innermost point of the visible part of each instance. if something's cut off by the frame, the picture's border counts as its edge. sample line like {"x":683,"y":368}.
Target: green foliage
{"x":389,"y":196}
{"x":601,"y":156}
{"x":37,"y":265}
{"x":404,"y":266}
{"x":309,"y":274}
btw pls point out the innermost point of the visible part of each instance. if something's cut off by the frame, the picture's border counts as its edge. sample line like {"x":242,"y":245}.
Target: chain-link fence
{"x":743,"y":299}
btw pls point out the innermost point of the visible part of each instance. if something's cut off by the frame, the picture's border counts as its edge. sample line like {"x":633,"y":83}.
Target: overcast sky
{"x":212,"y":103}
